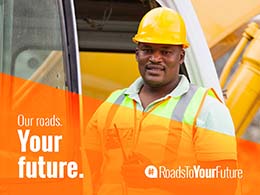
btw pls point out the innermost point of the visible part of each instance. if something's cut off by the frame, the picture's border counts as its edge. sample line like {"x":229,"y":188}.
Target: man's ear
{"x":182,"y":55}
{"x":136,"y":50}
{"x":136,"y":53}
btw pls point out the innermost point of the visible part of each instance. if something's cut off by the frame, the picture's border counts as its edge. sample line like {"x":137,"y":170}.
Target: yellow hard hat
{"x":162,"y":26}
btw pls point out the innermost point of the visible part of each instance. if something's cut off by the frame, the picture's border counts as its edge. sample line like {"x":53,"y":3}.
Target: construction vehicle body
{"x":84,"y":49}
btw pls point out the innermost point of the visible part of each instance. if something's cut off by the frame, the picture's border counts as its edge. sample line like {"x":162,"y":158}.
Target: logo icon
{"x":151,"y":171}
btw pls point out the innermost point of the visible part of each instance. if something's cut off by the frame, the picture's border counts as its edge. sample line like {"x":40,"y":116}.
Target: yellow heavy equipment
{"x":41,"y":41}
{"x":224,"y":23}
{"x":233,"y":26}
{"x":243,"y":89}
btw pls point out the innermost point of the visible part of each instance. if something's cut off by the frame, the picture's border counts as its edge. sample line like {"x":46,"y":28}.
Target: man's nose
{"x":155,"y":56}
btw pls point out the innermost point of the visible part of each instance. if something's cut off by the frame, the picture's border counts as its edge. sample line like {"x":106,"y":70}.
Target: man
{"x":161,"y":120}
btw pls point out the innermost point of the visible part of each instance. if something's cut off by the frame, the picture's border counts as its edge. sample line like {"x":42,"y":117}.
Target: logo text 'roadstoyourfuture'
{"x":195,"y":171}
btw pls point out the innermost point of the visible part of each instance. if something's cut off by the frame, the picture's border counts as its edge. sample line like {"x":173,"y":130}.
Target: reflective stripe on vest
{"x":178,"y":112}
{"x":181,"y":109}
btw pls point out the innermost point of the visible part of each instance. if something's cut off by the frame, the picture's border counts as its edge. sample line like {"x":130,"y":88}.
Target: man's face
{"x":159,"y":63}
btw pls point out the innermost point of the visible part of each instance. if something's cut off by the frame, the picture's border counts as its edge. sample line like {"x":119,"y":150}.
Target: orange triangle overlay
{"x":37,"y":111}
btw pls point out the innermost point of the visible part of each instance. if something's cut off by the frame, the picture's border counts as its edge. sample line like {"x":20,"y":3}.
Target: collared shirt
{"x":134,"y":89}
{"x":214,"y":115}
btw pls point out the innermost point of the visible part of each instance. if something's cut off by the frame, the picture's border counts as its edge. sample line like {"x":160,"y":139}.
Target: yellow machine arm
{"x":243,"y":90}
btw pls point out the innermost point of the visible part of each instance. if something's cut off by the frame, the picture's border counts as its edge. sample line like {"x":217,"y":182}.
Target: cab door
{"x":39,"y":90}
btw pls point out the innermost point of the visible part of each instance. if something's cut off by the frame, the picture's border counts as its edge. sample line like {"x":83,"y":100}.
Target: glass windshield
{"x":31,"y":41}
